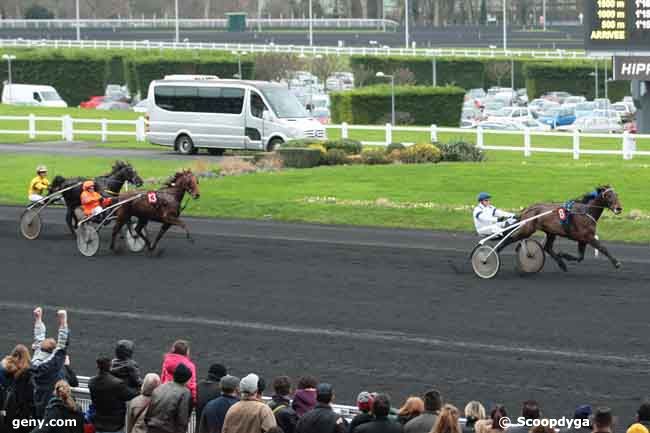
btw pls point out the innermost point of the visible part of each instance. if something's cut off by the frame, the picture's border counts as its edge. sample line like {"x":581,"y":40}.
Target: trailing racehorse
{"x":576,"y":220}
{"x":163,"y":206}
{"x":108,"y":185}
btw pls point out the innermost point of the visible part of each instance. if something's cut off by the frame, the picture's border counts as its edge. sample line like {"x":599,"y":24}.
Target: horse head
{"x":57,"y":184}
{"x":126,"y":173}
{"x":609,"y":198}
{"x":186,"y":181}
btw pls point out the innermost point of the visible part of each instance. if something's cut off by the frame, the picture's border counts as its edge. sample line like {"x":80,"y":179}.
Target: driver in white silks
{"x":488,"y":219}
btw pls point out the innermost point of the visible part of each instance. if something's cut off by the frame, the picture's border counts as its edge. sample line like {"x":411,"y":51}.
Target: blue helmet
{"x":483,"y":196}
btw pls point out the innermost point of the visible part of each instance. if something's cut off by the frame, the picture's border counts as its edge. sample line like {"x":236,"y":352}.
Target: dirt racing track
{"x":390,"y":310}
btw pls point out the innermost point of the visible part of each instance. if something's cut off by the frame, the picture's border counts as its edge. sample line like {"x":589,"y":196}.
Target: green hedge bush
{"x":350,"y":147}
{"x":299,"y":157}
{"x":374,"y":157}
{"x":460,"y":150}
{"x":335,"y":156}
{"x":419,"y":105}
{"x":420,"y":154}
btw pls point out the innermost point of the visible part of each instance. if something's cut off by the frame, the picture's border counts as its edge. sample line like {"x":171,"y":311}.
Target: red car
{"x":93,"y":102}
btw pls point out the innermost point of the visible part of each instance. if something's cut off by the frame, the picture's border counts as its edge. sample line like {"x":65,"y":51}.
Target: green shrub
{"x":299,"y":157}
{"x":303,"y":142}
{"x":420,"y":153}
{"x":394,"y":146}
{"x":350,"y":147}
{"x":460,"y":150}
{"x":335,"y":157}
{"x":374,"y":157}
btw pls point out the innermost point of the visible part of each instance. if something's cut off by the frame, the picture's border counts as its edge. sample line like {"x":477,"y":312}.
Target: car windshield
{"x":285,"y":104}
{"x":50,"y":95}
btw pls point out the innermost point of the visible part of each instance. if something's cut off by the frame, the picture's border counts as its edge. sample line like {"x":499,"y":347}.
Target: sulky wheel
{"x":87,"y":240}
{"x":30,"y":224}
{"x":530,"y":256}
{"x":485,"y":261}
{"x":134,"y":242}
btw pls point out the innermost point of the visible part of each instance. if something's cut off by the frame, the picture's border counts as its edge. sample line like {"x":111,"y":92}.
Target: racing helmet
{"x":483,"y":196}
{"x":87,"y":184}
{"x":41,"y":169}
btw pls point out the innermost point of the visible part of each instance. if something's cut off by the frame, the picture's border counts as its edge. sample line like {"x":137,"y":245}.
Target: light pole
{"x":434,"y":72}
{"x":239,"y":54}
{"x":406,"y":22}
{"x":311,"y":25}
{"x":176,"y":24}
{"x":544,"y":14}
{"x":9,"y":58}
{"x":392,"y":94}
{"x":505,"y":27}
{"x":78,"y":23}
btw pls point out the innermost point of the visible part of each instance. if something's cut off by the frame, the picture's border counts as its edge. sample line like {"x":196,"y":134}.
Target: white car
{"x":511,"y":114}
{"x":31,"y":94}
{"x":596,"y":125}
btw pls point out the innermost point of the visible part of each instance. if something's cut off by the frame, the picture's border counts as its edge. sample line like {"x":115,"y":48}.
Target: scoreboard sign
{"x":632,"y":68}
{"x":617,"y":26}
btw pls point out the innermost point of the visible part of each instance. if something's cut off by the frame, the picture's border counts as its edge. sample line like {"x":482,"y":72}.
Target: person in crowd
{"x":38,"y":185}
{"x":474,"y":411}
{"x":124,"y":367}
{"x":529,"y":411}
{"x":280,"y":404}
{"x":62,"y":406}
{"x":210,"y":388}
{"x":364,"y":404}
{"x":109,"y":396}
{"x":214,"y":413}
{"x":137,"y":408}
{"x":637,"y":428}
{"x":412,"y":408}
{"x":48,"y":359}
{"x":171,"y":404}
{"x":603,"y":421}
{"x":448,"y":420}
{"x":381,"y":423}
{"x":582,"y":412}
{"x":322,"y":418}
{"x":180,"y":353}
{"x":493,"y":424}
{"x":18,"y":401}
{"x":69,"y":374}
{"x":424,"y":422}
{"x":642,"y":417}
{"x":305,"y":398}
{"x":250,"y":414}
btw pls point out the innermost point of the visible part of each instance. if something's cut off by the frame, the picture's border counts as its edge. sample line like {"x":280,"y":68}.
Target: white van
{"x":31,"y":94}
{"x":216,"y":114}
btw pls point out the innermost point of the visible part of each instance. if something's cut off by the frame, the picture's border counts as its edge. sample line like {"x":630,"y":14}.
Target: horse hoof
{"x":617,"y":265}
{"x":563,"y":267}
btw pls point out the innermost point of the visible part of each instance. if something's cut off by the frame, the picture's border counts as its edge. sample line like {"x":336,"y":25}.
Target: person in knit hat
{"x":250,"y":414}
{"x":171,"y":404}
{"x":364,"y":404}
{"x":209,"y":389}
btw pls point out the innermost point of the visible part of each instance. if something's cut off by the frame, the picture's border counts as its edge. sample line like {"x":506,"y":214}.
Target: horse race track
{"x":385,"y":310}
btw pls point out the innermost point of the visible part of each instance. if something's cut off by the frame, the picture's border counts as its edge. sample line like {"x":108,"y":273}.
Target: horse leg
{"x":548,"y":247}
{"x":162,"y":231}
{"x":175,"y":221}
{"x":119,"y":223}
{"x":595,"y":243}
{"x":581,"y":251}
{"x":142,"y":223}
{"x":69,"y":215}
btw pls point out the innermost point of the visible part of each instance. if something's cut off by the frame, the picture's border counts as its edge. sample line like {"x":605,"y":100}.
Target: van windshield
{"x":49,"y":95}
{"x":285,"y":104}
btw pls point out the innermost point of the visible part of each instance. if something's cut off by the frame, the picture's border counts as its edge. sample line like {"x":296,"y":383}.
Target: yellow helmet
{"x":41,"y":169}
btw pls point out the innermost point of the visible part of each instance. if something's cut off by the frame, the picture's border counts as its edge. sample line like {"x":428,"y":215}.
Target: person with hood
{"x":171,"y":404}
{"x":179,"y":354}
{"x":109,"y":396}
{"x":62,"y":406}
{"x":210,"y":388}
{"x":124,"y":367}
{"x":137,"y":408}
{"x":19,"y":392}
{"x":322,"y":418}
{"x":305,"y":398}
{"x":49,"y":357}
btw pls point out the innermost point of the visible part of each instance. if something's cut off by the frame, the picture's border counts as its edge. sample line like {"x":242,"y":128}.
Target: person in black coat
{"x":124,"y":367}
{"x":109,"y":396}
{"x":381,"y":424}
{"x":62,"y":407}
{"x":209,"y":389}
{"x":18,"y":395}
{"x":322,"y":418}
{"x":280,"y":404}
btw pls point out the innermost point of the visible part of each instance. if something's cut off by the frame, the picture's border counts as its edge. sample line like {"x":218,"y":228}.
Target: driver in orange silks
{"x":91,"y":201}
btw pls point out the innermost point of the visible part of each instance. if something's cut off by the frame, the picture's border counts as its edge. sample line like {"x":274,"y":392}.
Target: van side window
{"x":199,"y":99}
{"x":257,"y":105}
{"x":37,"y":97}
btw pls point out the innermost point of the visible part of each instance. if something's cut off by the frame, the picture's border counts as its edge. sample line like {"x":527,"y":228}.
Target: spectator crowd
{"x":37,"y":385}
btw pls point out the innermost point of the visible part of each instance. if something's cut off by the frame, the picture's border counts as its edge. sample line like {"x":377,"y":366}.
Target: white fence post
{"x":63,"y":128}
{"x":344,"y":130}
{"x":629,"y":146}
{"x":104,"y":130}
{"x":139,"y":129}
{"x":389,"y":134}
{"x":69,"y":128}
{"x":32,"y":126}
{"x":479,"y":137}
{"x":527,"y":151}
{"x":576,"y":144}
{"x":434,"y":134}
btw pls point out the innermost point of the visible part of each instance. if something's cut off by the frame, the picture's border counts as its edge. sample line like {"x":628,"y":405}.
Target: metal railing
{"x":299,"y":49}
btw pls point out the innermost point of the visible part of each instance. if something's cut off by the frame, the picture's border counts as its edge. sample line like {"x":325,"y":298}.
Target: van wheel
{"x":216,"y":151}
{"x":184,"y":145}
{"x":274,"y":144}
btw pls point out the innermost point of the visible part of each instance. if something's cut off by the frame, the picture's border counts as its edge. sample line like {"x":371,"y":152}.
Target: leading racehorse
{"x":576,"y":220}
{"x":163,"y":206}
{"x":108,"y":185}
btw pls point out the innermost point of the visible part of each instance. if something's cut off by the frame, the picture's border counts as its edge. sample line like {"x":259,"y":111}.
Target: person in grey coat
{"x":424,"y":423}
{"x":171,"y":404}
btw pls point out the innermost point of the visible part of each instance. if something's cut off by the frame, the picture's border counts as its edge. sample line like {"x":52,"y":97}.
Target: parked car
{"x":544,"y":105}
{"x":511,"y":114}
{"x":558,"y":97}
{"x":596,"y":125}
{"x":142,"y":106}
{"x":557,"y":117}
{"x":612,"y":114}
{"x":93,"y":102}
{"x":492,"y":107}
{"x":498,"y":126}
{"x":471,"y":113}
{"x":115,"y":92}
{"x":624,"y":111}
{"x":522,"y":96}
{"x":584,"y":109}
{"x":533,"y":125}
{"x":114,"y":106}
{"x":574,"y":100}
{"x":603,"y":103}
{"x":31,"y":94}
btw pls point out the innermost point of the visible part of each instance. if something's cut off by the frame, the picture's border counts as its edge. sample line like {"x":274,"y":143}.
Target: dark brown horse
{"x":581,"y":227}
{"x":163,"y":206}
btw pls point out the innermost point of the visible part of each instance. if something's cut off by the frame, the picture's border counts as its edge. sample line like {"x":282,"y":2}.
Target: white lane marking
{"x":366,"y":335}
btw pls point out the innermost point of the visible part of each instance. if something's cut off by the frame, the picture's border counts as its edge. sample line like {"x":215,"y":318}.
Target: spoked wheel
{"x":485,"y":261}
{"x":87,"y":240}
{"x":134,"y":242}
{"x":530,"y":256}
{"x":30,"y":224}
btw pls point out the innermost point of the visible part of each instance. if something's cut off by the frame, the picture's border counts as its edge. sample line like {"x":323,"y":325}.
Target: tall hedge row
{"x":414,"y":105}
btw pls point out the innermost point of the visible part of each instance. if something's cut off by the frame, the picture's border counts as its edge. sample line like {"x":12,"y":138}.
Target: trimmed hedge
{"x":414,"y":105}
{"x":296,"y":157}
